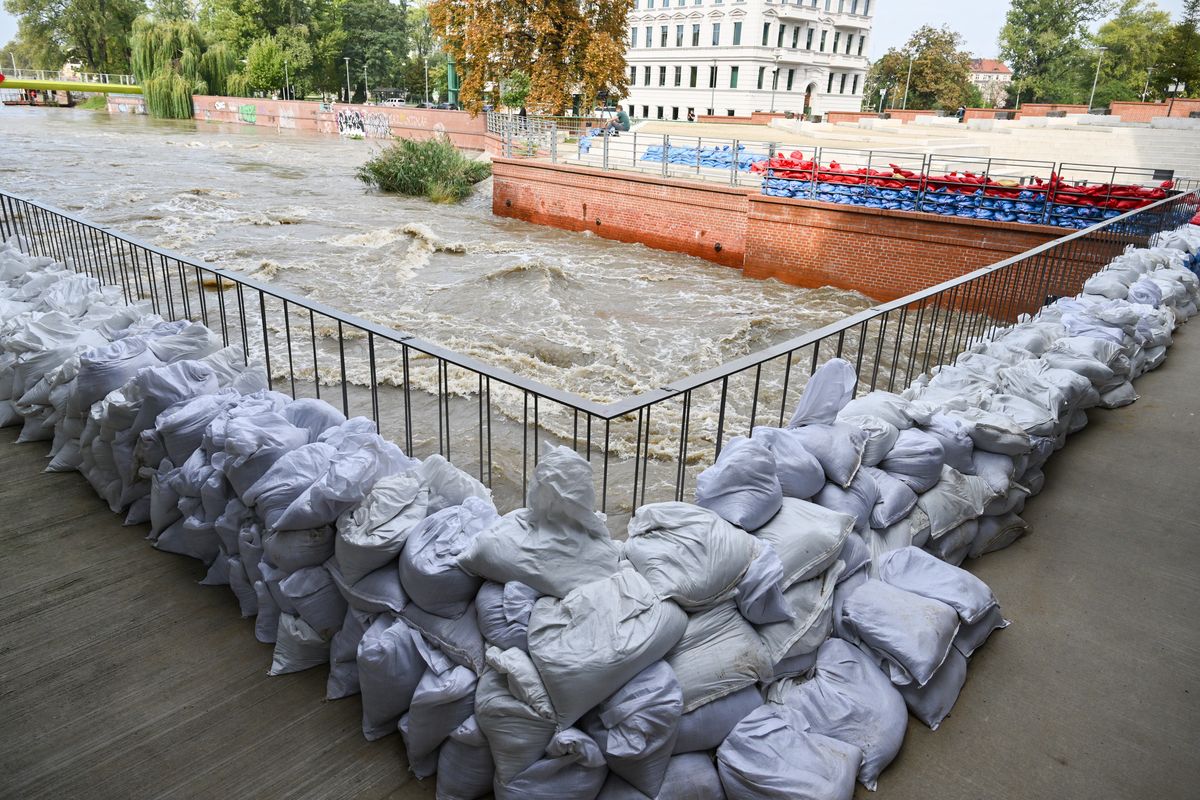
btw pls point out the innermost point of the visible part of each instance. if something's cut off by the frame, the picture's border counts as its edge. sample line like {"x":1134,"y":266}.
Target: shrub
{"x":432,"y":168}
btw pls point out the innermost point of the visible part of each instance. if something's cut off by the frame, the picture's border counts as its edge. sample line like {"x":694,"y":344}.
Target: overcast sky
{"x":978,"y":21}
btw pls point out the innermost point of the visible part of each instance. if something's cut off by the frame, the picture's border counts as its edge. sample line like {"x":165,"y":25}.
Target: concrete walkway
{"x":122,"y":678}
{"x":1094,"y":691}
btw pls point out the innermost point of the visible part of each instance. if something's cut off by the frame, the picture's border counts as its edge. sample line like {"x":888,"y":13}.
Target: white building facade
{"x":733,"y":57}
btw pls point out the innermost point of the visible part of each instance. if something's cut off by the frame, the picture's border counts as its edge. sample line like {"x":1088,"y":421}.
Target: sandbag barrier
{"x":755,"y":644}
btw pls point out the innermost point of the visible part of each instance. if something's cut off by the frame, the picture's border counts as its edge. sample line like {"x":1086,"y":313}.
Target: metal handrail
{"x":890,"y":344}
{"x":62,"y":75}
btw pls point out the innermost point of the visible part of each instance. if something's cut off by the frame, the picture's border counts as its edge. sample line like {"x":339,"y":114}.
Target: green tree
{"x":93,"y":32}
{"x":242,"y":23}
{"x":941,"y":72}
{"x":376,"y":37}
{"x":173,"y":9}
{"x":514,"y":89}
{"x":1135,"y":40}
{"x":1046,"y":43}
{"x":1180,"y":63}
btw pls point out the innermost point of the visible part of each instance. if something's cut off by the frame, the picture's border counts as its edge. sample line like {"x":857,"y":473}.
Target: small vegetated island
{"x":433,"y":168}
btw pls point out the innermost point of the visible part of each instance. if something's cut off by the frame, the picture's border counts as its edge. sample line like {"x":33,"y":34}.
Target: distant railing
{"x":524,"y":136}
{"x":495,"y":424}
{"x":63,"y":75}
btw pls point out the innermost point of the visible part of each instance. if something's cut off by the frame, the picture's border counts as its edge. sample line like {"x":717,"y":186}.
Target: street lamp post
{"x":366,"y":91}
{"x":712,"y":82}
{"x":775,"y":79}
{"x":1146,"y":88}
{"x":347,"y":60}
{"x":426,"y":80}
{"x":286,"y":81}
{"x":882,"y":94}
{"x":907,"y":81}
{"x":1095,"y":80}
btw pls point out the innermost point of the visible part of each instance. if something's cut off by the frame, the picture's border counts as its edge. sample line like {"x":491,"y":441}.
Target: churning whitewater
{"x":574,"y":311}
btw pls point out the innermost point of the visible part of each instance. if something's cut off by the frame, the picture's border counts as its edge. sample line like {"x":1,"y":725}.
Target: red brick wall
{"x":686,"y":217}
{"x":904,"y":115}
{"x":375,"y":122}
{"x":883,"y":254}
{"x":1144,"y":112}
{"x":719,"y":119}
{"x":1042,"y":109}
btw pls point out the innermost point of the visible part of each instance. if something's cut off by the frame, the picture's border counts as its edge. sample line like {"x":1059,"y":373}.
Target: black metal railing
{"x":495,"y":424}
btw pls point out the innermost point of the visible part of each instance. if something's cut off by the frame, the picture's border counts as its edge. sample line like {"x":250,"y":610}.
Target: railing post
{"x":604,"y":159}
{"x":633,"y":158}
{"x":666,"y":152}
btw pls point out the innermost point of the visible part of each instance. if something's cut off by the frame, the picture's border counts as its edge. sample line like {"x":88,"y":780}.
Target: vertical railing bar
{"x":262,"y":310}
{"x":525,"y":446}
{"x":646,"y":458}
{"x":637,"y":457}
{"x":479,"y":375}
{"x":487,"y":381}
{"x":342,"y":359}
{"x":721,"y":416}
{"x":312,"y":328}
{"x":787,"y":376}
{"x":754,"y":401}
{"x":374,"y":382}
{"x":408,"y":428}
{"x":604,"y":479}
{"x":287,"y":332}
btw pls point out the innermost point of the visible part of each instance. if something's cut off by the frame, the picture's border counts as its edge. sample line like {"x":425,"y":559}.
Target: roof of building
{"x":989,"y":65}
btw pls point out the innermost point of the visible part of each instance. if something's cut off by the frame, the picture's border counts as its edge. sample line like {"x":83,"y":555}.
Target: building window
{"x":674,"y":112}
{"x":696,"y":35}
{"x":761,"y":72}
{"x":842,"y":90}
{"x":633,"y":37}
{"x":636,"y":4}
{"x":645,"y":77}
{"x":791,"y":76}
{"x":710,"y":112}
{"x":633,"y":76}
{"x":766,"y":33}
{"x":716,"y":33}
{"x":662,"y":76}
{"x":849,"y":39}
{"x":692,"y":74}
{"x":737,"y":33}
{"x":823,"y":35}
{"x":775,"y":79}
{"x":853,"y":6}
{"x":779,"y":38}
{"x":866,"y":8}
{"x":649,"y":36}
{"x":861,"y":41}
{"x":712,"y":78}
{"x":649,"y":4}
{"x":854,"y":90}
{"x":679,"y":36}
{"x":662,"y":36}
{"x":645,"y":112}
{"x":829,"y":88}
{"x":827,"y":4}
{"x":679,"y":76}
{"x":808,"y":40}
{"x":841,"y":6}
{"x":836,"y":36}
{"x":795,"y":36}
{"x":733,"y":75}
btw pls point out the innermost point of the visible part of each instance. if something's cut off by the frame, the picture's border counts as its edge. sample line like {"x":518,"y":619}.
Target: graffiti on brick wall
{"x":287,"y":117}
{"x":350,"y":123}
{"x":248,"y":113}
{"x":377,"y":125}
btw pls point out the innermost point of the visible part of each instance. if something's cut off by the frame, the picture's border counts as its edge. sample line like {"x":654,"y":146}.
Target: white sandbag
{"x":895,"y":499}
{"x":314,"y":416}
{"x":293,"y":550}
{"x":707,"y":726}
{"x":343,"y":655}
{"x":916,"y":459}
{"x":838,"y":448}
{"x":955,"y":438}
{"x":266,"y":624}
{"x":443,"y":700}
{"x":971,"y":637}
{"x":811,"y":605}
{"x":458,"y":638}
{"x":856,"y":501}
{"x":849,"y":699}
{"x":556,"y":544}
{"x":503,"y":613}
{"x":189,"y":537}
{"x":807,"y":538}
{"x":687,"y":553}
{"x":573,"y":767}
{"x":297,"y":647}
{"x":429,"y":568}
{"x":289,"y":477}
{"x":916,"y":571}
{"x":800,"y":474}
{"x":316,"y":599}
{"x":242,"y":588}
{"x":465,"y":766}
{"x":891,"y":408}
{"x":594,"y":640}
{"x":932,"y":702}
{"x":447,"y":484}
{"x":374,"y":533}
{"x":1122,"y":395}
{"x":1006,"y":503}
{"x":390,"y":666}
{"x":880,"y":437}
{"x":743,"y":485}
{"x":514,"y":712}
{"x":826,"y":393}
{"x":758,"y":594}
{"x":955,"y":544}
{"x":956,"y":499}
{"x":992,"y":431}
{"x":636,"y":727}
{"x":690,"y":776}
{"x":254,"y":443}
{"x":771,"y":756}
{"x":995,"y":469}
{"x":719,"y":653}
{"x":911,"y":634}
{"x":376,"y":592}
{"x":997,"y":532}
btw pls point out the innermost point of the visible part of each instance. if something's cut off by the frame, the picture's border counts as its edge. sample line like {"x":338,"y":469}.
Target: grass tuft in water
{"x":433,"y":168}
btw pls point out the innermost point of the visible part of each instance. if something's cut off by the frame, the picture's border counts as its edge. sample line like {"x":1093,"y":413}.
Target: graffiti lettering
{"x":350,"y":123}
{"x":287,"y":116}
{"x":248,"y":114}
{"x":377,"y":126}
{"x":219,"y":105}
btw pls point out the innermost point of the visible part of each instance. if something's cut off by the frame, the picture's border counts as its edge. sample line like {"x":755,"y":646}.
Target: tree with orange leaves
{"x":566,"y":47}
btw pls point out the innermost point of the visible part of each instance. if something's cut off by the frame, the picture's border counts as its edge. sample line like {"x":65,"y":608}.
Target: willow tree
{"x":566,"y":47}
{"x":172,"y":62}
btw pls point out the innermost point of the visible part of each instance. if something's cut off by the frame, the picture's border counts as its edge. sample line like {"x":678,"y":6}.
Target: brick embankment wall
{"x":1144,"y":112}
{"x":883,"y":254}
{"x":372,"y":122}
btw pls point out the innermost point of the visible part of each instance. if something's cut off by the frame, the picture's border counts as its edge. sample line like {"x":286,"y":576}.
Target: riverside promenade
{"x":120,"y":677}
